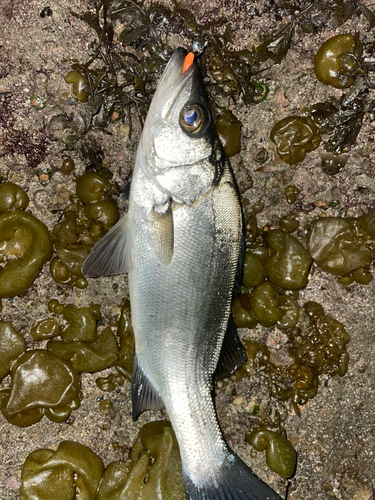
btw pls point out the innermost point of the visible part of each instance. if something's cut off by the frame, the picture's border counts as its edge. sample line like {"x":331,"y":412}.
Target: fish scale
{"x":180,"y":244}
{"x":173,"y":311}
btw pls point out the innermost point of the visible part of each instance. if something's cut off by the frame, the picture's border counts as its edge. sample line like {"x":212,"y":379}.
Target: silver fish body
{"x":180,"y":244}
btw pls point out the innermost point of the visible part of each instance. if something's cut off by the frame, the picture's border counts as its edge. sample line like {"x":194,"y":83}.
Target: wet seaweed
{"x":93,"y":155}
{"x":19,"y":141}
{"x":312,"y":16}
{"x":276,"y":45}
{"x":123,"y":85}
{"x":117,"y":87}
{"x":341,"y":119}
{"x":132,"y":48}
{"x":307,"y":17}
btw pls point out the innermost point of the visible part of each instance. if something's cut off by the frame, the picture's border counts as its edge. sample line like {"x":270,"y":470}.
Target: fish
{"x":181,"y":243}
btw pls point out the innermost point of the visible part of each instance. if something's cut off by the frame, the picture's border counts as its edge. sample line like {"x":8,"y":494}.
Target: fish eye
{"x":192,"y":117}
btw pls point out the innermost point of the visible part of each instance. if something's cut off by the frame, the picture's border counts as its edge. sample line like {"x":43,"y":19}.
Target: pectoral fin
{"x":144,"y":395}
{"x":112,"y":255}
{"x":162,"y":235}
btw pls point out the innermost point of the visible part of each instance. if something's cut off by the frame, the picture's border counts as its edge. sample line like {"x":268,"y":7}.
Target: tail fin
{"x":235,"y":482}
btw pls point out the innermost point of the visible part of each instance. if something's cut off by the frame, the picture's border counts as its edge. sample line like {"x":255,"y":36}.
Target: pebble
{"x":364,"y":495}
{"x":238,"y":400}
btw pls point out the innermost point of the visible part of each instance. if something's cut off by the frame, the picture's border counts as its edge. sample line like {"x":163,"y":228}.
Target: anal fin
{"x":232,"y":354}
{"x":144,"y":395}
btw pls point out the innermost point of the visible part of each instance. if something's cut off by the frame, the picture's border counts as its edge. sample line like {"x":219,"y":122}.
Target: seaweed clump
{"x":153,"y":471}
{"x":338,"y":61}
{"x":310,"y":16}
{"x":72,"y":468}
{"x":276,"y":267}
{"x":126,"y":63}
{"x":13,"y":140}
{"x":80,"y":343}
{"x":344,"y":247}
{"x":74,"y":471}
{"x":280,"y":455}
{"x":47,"y":382}
{"x":294,"y":136}
{"x":92,"y":213}
{"x":12,"y":345}
{"x":41,"y":384}
{"x":124,"y":363}
{"x":25,"y":243}
{"x":314,"y":345}
{"x":341,"y":119}
{"x":306,"y":17}
{"x":274,"y":262}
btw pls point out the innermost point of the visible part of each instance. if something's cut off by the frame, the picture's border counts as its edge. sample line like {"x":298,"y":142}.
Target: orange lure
{"x":188,"y":62}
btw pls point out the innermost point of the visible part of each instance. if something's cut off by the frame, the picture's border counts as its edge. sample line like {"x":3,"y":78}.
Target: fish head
{"x":179,"y":130}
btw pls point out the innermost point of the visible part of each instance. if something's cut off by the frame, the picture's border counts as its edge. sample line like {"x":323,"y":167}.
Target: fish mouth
{"x":170,"y":85}
{"x":173,"y":76}
{"x":174,"y":86}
